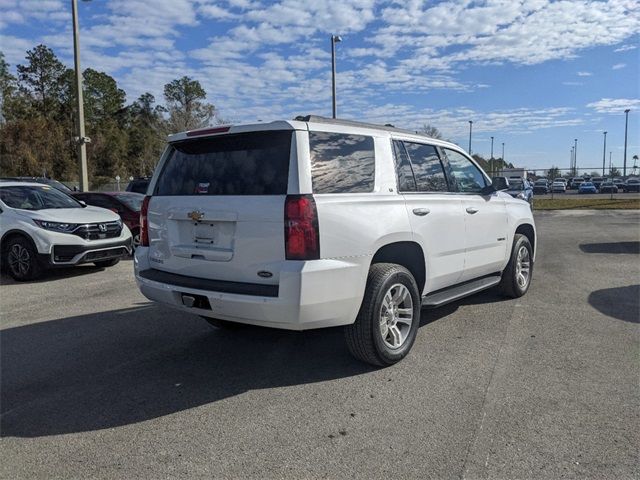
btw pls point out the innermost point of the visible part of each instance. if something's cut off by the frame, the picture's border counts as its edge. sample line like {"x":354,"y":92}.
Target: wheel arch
{"x":16,"y":233}
{"x":409,"y":254}
{"x":528,"y":231}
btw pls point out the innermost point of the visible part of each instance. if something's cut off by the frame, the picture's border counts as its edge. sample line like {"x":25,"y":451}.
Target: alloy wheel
{"x":523,"y":267}
{"x":19,"y":260}
{"x":396,"y":316}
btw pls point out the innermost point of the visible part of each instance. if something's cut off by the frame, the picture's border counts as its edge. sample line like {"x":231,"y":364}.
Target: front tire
{"x":387,"y":323}
{"x":106,"y":263}
{"x":21,"y":260}
{"x":516,"y":278}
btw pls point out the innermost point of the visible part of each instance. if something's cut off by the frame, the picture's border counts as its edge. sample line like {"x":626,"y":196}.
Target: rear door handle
{"x":472,"y":210}
{"x":421,"y":212}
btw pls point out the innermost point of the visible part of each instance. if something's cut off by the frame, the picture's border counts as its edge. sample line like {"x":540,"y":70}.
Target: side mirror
{"x":500,"y":183}
{"x":83,"y":203}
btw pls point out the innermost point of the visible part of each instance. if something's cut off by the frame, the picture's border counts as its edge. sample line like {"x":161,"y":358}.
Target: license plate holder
{"x":204,"y":233}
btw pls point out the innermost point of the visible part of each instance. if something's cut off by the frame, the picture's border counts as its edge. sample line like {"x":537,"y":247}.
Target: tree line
{"x":38,"y":121}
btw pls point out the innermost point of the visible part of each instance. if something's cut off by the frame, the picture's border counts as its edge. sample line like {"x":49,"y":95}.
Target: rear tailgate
{"x":217,"y":210}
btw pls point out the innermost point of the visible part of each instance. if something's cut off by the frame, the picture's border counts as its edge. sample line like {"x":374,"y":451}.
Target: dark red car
{"x":125,"y":204}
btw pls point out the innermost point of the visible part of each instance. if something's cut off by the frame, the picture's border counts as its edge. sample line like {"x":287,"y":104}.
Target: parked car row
{"x":586,"y":185}
{"x":42,"y":227}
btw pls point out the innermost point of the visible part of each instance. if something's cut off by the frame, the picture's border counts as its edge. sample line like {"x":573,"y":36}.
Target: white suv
{"x":42,"y":227}
{"x":319,"y":222}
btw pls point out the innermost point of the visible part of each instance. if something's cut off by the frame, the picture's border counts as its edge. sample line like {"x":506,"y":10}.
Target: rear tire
{"x":389,"y":317}
{"x":20,"y":259}
{"x":106,"y":263}
{"x":223,"y":324}
{"x":516,"y":278}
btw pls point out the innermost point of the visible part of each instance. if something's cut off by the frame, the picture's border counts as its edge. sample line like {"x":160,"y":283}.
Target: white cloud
{"x":573,"y":84}
{"x":625,"y":48}
{"x":614,"y":105}
{"x":584,"y":74}
{"x":618,"y":66}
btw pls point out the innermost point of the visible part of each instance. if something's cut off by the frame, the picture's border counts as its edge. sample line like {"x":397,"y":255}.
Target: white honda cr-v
{"x":320,"y":222}
{"x":42,"y":227}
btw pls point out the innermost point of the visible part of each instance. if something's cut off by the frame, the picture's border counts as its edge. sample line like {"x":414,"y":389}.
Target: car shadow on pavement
{"x":59,"y":273}
{"x":119,"y":367}
{"x":611,"y":247}
{"x":492,"y":296}
{"x":622,"y":303}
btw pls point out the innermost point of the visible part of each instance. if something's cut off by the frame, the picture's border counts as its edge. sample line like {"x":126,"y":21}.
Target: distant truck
{"x":514,"y":172}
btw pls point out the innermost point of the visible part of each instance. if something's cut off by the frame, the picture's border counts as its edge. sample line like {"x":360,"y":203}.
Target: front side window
{"x":469,"y":178}
{"x":341,"y":163}
{"x":427,"y":168}
{"x":36,"y":198}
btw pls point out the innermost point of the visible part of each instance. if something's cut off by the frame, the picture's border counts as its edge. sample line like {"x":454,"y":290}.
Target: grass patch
{"x":586,"y":204}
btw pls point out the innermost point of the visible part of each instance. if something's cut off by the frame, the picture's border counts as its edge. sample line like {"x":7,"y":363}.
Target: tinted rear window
{"x":255,"y":163}
{"x":341,"y":163}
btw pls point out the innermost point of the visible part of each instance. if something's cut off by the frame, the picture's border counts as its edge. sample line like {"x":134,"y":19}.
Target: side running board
{"x":457,"y":292}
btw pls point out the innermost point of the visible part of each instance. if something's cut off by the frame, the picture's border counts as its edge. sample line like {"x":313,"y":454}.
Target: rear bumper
{"x":314,"y":294}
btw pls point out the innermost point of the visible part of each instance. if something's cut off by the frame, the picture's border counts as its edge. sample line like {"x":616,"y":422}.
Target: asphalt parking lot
{"x":98,"y":383}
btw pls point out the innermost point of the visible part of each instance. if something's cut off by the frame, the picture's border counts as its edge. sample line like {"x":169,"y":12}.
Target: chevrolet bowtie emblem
{"x":196,"y":215}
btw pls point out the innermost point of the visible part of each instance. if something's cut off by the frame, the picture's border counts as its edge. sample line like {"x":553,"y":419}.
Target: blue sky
{"x":535,"y":74}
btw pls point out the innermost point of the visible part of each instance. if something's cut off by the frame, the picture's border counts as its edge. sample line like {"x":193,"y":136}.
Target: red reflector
{"x":301,"y":237}
{"x":207,"y":131}
{"x":144,"y":224}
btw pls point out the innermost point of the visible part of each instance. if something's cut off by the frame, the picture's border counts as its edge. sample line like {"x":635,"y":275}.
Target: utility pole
{"x":626,"y":124}
{"x":575,"y":155}
{"x":81,"y":139}
{"x":492,"y":161}
{"x":604,"y":152}
{"x":572,"y":169}
{"x":334,"y":39}
{"x":470,"y":128}
{"x":502,"y":152}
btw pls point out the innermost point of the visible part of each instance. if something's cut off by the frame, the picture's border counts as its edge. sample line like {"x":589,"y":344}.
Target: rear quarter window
{"x":254,"y":163}
{"x":341,"y":163}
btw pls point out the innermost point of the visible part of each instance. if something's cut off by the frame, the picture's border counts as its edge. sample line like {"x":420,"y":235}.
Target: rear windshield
{"x":255,"y":163}
{"x":131,"y":200}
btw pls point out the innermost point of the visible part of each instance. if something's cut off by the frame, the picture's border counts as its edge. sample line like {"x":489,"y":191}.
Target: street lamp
{"x":502,"y":152}
{"x":492,"y":162}
{"x":334,"y":39}
{"x":626,"y":124}
{"x":470,"y":128}
{"x":571,"y":170}
{"x":604,"y":152}
{"x":575,"y":156}
{"x":81,"y":139}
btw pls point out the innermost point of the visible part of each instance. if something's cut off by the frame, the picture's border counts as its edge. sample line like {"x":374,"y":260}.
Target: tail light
{"x":301,"y":237}
{"x":144,"y":223}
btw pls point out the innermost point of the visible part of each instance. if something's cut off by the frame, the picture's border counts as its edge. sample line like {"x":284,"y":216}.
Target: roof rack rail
{"x":352,"y":123}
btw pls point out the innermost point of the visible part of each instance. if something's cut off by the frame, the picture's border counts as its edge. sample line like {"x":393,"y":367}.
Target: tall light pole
{"x":626,"y":124}
{"x":604,"y":152}
{"x":470,"y":128}
{"x":575,"y":155}
{"x":334,"y":39}
{"x":492,"y":162}
{"x":81,"y":139}
{"x":572,"y":166}
{"x":502,"y":152}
